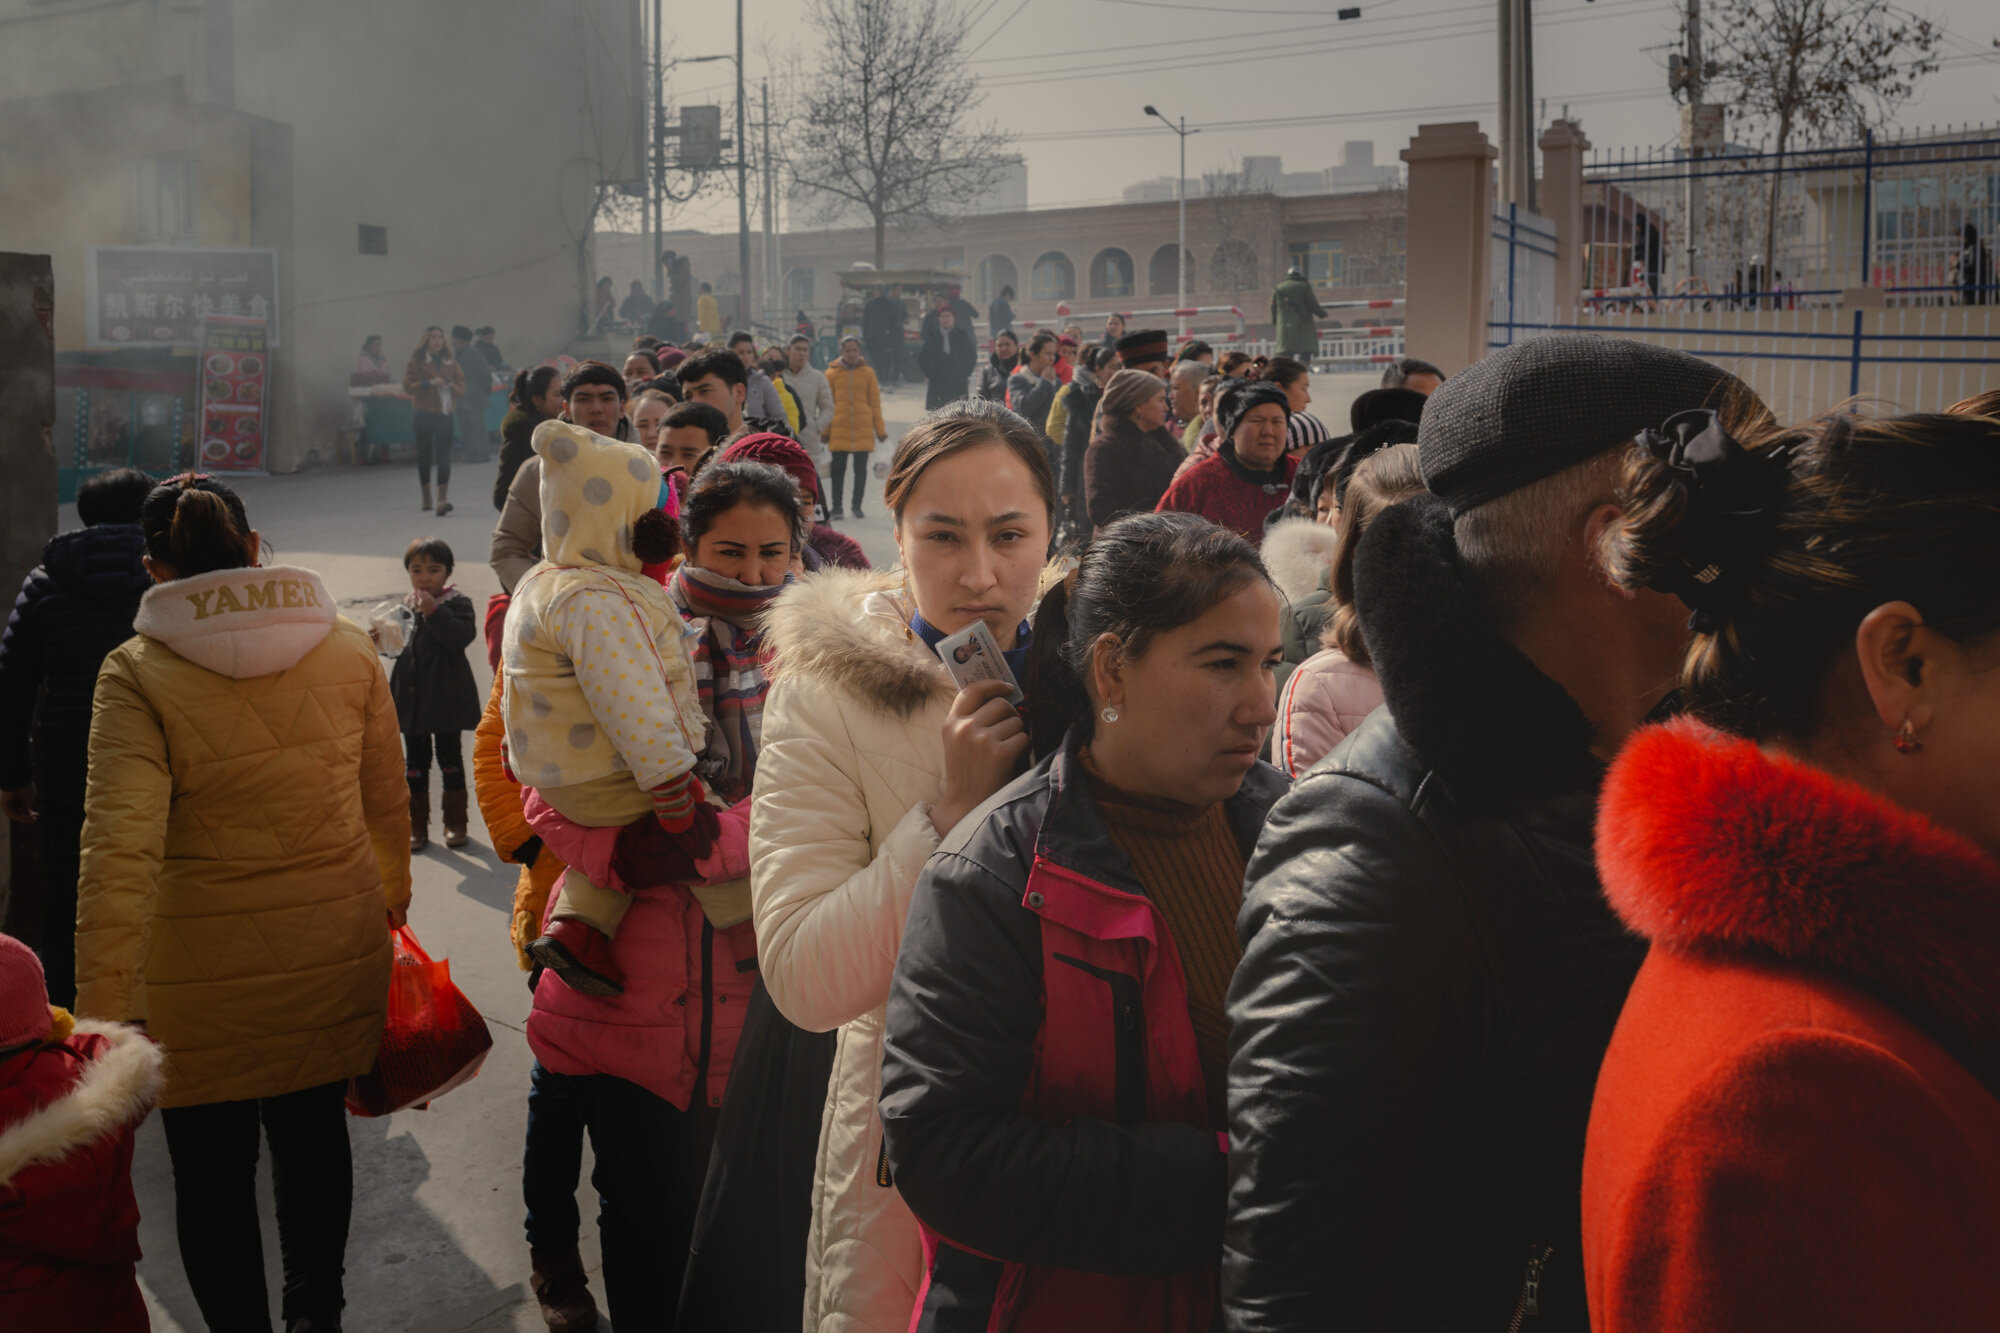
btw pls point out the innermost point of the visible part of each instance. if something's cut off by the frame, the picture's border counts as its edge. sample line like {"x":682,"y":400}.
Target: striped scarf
{"x":728,"y":670}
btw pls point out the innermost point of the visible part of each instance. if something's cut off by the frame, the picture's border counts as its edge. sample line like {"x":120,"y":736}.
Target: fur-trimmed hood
{"x":240,"y":623}
{"x":1298,"y":552}
{"x":1468,"y":702}
{"x":852,"y":626}
{"x":1708,"y":845}
{"x":117,"y":1090}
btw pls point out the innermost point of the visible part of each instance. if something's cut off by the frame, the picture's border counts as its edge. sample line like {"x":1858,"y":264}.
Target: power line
{"x":1167,"y":64}
{"x":997,"y":30}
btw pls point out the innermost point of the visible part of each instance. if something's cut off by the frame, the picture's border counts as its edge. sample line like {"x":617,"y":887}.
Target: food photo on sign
{"x":234,"y":363}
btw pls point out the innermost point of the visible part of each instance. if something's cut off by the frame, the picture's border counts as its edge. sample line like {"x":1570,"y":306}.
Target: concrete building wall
{"x":476,"y":136}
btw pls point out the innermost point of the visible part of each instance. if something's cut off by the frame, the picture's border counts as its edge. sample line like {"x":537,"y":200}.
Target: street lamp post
{"x":1180,"y":193}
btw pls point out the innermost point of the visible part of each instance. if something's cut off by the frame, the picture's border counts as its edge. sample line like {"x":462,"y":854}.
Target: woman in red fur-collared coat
{"x":1796,"y":1124}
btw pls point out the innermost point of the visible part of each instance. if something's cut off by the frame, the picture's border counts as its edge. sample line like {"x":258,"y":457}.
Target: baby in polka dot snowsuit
{"x":603,"y":718}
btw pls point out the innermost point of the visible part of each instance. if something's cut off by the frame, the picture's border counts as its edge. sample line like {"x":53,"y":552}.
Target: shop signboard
{"x":235,"y":380}
{"x":157,"y":296}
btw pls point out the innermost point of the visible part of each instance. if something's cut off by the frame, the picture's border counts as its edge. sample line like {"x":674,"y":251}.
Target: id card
{"x":973,"y":655}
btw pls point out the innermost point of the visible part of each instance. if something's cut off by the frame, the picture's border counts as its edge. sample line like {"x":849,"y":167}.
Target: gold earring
{"x":1905,"y":740}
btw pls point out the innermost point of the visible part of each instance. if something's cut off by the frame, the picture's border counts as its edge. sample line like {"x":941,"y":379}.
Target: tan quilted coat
{"x":247,"y":826}
{"x":852,"y":757}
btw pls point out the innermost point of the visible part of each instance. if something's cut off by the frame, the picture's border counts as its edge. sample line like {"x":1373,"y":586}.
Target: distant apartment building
{"x":1356,"y":173}
{"x":811,"y":210}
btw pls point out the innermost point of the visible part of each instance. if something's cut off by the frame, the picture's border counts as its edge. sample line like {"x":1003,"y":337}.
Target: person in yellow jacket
{"x":708,"y":313}
{"x":245,"y":852}
{"x":857,"y":425}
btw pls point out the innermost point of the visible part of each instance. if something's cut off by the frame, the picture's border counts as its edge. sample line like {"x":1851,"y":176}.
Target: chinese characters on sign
{"x":235,"y":379}
{"x":158,"y":296}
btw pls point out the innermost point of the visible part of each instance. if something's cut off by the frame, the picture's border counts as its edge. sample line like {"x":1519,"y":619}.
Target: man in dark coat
{"x":74,"y":607}
{"x":666,"y":324}
{"x":947,"y":359}
{"x":882,"y":322}
{"x":470,"y":410}
{"x":1430,"y":974}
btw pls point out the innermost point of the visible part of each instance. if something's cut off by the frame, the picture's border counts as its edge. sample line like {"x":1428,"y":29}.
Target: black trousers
{"x":882,"y":354}
{"x":60,"y":832}
{"x":858,"y":460}
{"x":214,"y":1154}
{"x":433,"y":430}
{"x":417,"y":746}
{"x":650,"y":1162}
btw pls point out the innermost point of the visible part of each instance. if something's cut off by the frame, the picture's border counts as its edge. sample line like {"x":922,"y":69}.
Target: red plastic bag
{"x":432,"y":1041}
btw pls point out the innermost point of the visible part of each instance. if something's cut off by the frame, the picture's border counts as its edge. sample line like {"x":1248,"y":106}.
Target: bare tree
{"x":1230,"y":209}
{"x":1814,"y":68}
{"x":888,"y":111}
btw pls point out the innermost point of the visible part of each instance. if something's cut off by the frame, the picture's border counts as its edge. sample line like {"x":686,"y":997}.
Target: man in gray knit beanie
{"x":1430,"y":974}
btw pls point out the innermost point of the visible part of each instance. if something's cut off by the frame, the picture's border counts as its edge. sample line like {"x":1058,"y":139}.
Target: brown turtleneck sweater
{"x":1189,"y":863}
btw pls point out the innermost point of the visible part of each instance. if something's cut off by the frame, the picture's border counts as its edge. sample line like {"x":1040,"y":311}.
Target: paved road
{"x":436,"y":1244}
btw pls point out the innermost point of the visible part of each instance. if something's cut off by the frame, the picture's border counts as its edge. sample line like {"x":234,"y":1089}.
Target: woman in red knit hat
{"x":825,"y":545}
{"x":1796,"y":1124}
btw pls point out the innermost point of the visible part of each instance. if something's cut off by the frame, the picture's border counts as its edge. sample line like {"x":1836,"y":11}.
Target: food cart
{"x":918,"y":284}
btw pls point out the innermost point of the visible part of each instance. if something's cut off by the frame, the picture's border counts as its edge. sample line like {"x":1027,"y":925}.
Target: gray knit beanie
{"x":1533,"y":409}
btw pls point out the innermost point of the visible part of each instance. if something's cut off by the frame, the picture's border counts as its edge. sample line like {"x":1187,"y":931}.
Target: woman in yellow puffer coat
{"x":245,"y":851}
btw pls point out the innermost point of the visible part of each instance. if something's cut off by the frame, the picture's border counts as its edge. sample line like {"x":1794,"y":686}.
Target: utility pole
{"x":770,"y":275}
{"x":1180,"y":193}
{"x":742,"y":185}
{"x":1517,"y":103}
{"x":1696,"y":202}
{"x":656,"y":177}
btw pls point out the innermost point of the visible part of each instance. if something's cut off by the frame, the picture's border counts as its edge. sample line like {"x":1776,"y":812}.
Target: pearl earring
{"x":1109,"y":715}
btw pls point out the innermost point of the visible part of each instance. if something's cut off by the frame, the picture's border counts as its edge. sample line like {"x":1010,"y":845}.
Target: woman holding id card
{"x":871,"y":754}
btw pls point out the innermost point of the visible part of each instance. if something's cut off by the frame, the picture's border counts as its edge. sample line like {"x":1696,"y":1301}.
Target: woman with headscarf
{"x":1250,"y":474}
{"x":1132,"y":454}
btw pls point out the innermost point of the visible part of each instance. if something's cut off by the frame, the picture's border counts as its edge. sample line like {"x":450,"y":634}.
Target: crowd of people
{"x":1527,"y":860}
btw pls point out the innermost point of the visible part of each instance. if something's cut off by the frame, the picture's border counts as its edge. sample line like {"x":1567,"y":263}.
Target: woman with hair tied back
{"x":1797,"y":1123}
{"x":434,"y":381}
{"x":1132,"y":455}
{"x":245,"y":852}
{"x":870,"y":757}
{"x":1053,"y":1070}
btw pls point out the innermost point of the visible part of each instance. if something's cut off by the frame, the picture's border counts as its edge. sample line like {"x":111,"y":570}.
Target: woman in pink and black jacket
{"x":1053,"y":1066}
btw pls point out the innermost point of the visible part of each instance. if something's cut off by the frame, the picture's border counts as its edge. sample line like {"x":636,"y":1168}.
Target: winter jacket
{"x":857,"y":423}
{"x":426,"y":397}
{"x":517,"y":431}
{"x":947,"y":364}
{"x":794,"y":406}
{"x":883,"y":320}
{"x":599,"y":680}
{"x":1043,"y":1101}
{"x":853,"y":756}
{"x":708,"y":314}
{"x":685,"y":993}
{"x":1322,"y":701}
{"x":999,"y":316}
{"x":247,"y":828}
{"x":517,"y":535}
{"x":1126,"y":470}
{"x":762,"y":399}
{"x":993,"y":377}
{"x":432,"y":679}
{"x":1429,"y":979}
{"x":816,"y":397}
{"x":1294,"y":306}
{"x":1225,"y":492}
{"x":1078,"y":405}
{"x":1032,"y":396}
{"x":74,"y":607}
{"x":499,"y":798}
{"x":1299,"y":554}
{"x":69,"y":1222}
{"x":1797,"y":1124}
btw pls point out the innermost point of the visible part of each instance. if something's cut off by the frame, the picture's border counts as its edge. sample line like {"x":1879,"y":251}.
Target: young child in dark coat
{"x":435,"y":695}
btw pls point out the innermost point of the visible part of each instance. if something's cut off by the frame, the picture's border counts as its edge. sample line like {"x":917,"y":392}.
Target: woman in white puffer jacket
{"x":870,"y":756}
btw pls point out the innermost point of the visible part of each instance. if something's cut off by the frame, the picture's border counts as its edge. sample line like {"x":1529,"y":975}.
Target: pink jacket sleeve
{"x":591,"y":850}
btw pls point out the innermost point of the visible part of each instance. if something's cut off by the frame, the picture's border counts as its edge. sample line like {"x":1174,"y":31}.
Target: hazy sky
{"x":1070,"y":77}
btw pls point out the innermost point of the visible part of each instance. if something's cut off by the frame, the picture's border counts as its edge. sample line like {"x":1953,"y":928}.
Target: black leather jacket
{"x":1429,"y":980}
